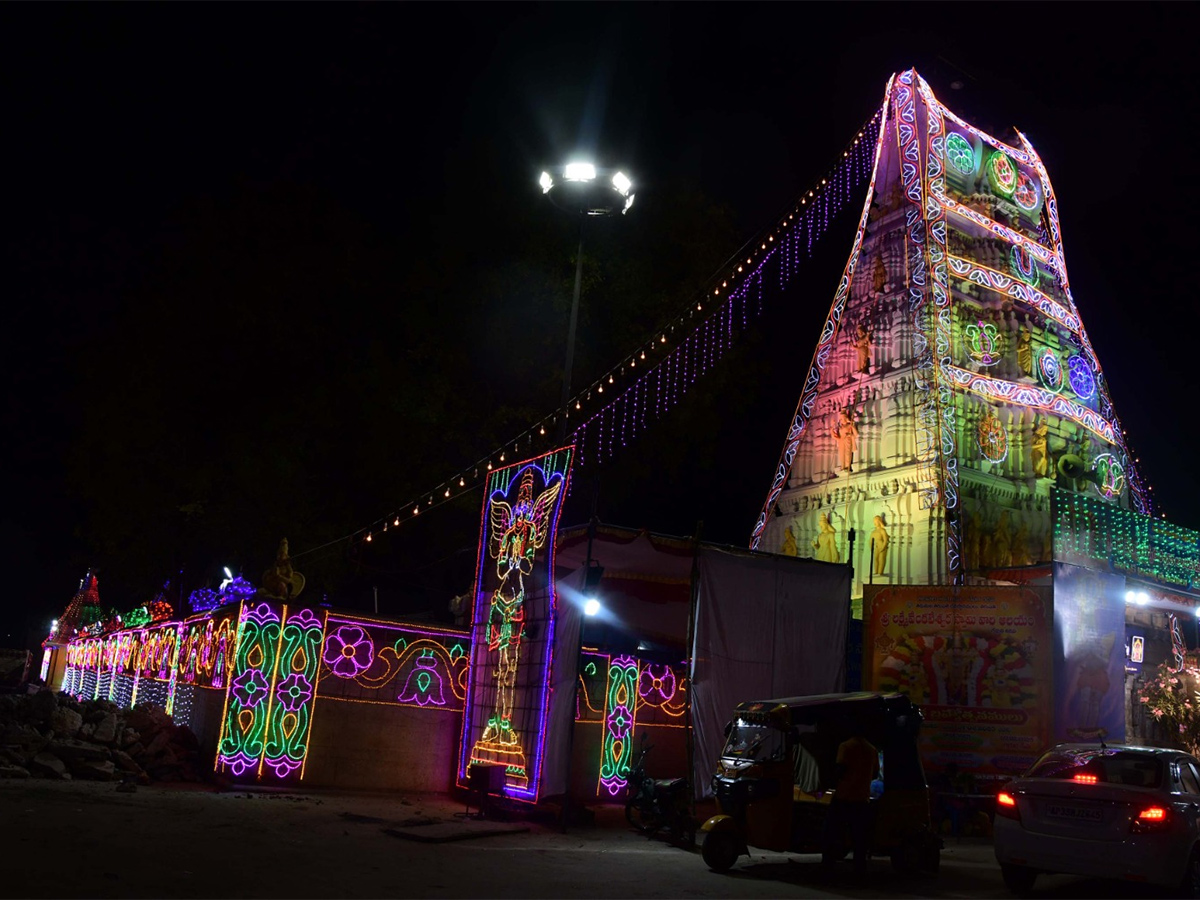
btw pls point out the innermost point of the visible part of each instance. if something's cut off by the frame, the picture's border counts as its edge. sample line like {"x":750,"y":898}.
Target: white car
{"x":1123,"y":812}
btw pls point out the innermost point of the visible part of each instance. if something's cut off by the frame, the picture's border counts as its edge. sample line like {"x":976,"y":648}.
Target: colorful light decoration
{"x":992,"y":438}
{"x":1026,"y":194}
{"x":619,"y":719}
{"x":289,"y":716}
{"x":505,"y":717}
{"x":1050,"y":370}
{"x":1093,"y":532}
{"x":1110,"y":476}
{"x":1024,"y":266}
{"x":961,"y":154}
{"x":983,"y":343}
{"x":1083,"y":382}
{"x":1001,"y":173}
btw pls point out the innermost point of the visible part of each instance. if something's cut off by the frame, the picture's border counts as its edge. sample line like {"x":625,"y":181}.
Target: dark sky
{"x":119,"y":116}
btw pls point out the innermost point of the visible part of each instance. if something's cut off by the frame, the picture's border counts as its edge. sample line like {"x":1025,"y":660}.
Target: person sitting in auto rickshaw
{"x":850,"y":809}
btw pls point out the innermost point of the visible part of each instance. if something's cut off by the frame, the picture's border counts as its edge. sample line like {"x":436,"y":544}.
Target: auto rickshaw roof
{"x":852,"y":705}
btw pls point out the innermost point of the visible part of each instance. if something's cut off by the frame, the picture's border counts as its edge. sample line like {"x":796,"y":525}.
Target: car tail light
{"x":1006,"y":806}
{"x":1152,"y":818}
{"x":1085,"y":779}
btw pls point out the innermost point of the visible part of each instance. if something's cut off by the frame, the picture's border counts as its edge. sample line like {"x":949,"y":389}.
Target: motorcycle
{"x":658,"y":804}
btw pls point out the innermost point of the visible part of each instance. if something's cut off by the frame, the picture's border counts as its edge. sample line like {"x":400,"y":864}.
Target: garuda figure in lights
{"x":518,"y":532}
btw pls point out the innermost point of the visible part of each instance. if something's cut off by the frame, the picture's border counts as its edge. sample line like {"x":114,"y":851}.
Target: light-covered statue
{"x":281,"y":581}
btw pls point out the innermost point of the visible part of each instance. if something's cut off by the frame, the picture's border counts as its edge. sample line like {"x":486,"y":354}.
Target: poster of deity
{"x":975,"y":659}
{"x":512,"y":635}
{"x":1089,"y":658}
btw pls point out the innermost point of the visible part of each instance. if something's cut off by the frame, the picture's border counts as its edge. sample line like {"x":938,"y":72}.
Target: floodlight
{"x":579,"y":172}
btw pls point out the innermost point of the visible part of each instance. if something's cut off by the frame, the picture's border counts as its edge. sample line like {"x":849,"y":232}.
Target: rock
{"x":95,"y":770}
{"x":65,"y":721}
{"x":72,"y":750}
{"x":125,"y":762}
{"x":42,"y":705}
{"x":129,"y":737}
{"x":13,"y":772}
{"x":87,"y":730}
{"x":47,"y":765}
{"x":159,"y":741}
{"x":106,"y":729}
{"x":137,"y":751}
{"x":25,"y":737}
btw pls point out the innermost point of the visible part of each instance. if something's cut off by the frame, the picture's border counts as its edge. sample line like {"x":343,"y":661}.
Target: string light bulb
{"x":461,"y":481}
{"x":447,"y":494}
{"x":541,"y":429}
{"x":416,"y":509}
{"x":368,"y":537}
{"x":397,"y":521}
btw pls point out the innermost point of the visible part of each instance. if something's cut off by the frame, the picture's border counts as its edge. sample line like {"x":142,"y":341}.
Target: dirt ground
{"x":86,"y":839}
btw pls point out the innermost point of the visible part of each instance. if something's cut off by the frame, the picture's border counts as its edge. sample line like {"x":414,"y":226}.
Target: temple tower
{"x":953,"y":386}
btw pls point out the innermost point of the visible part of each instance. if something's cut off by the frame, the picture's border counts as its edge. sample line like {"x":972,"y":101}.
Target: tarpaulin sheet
{"x":766,"y":626}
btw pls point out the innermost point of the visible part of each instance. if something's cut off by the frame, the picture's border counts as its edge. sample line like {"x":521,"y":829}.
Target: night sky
{"x":178,"y":175}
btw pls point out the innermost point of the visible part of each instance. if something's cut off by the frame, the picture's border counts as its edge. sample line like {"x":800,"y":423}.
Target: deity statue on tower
{"x":825,"y":543}
{"x":862,"y":344}
{"x":845,"y":432}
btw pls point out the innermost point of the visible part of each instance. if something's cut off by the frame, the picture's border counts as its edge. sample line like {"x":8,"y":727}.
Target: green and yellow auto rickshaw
{"x":776,"y":776}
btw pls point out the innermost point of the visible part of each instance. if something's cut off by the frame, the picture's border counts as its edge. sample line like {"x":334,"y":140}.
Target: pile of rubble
{"x":49,"y":735}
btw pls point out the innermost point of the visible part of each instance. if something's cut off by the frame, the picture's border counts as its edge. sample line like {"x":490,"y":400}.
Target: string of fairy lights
{"x":655,"y":376}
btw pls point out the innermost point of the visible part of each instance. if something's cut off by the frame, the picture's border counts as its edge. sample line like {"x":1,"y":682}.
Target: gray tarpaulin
{"x":560,"y":711}
{"x":766,"y":626}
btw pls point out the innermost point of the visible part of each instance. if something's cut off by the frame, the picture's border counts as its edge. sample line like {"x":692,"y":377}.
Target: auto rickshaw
{"x":775,"y":779}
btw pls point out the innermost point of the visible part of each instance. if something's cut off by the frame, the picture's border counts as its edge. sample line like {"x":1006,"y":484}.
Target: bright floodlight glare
{"x":546,"y":182}
{"x":628,"y":203}
{"x":591,"y":607}
{"x":579,"y":172}
{"x":621,"y":183}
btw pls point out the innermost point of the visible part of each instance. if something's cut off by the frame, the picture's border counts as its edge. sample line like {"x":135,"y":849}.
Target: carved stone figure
{"x":845,"y":432}
{"x":1025,"y":352}
{"x":789,"y":547}
{"x":825,"y":543}
{"x":862,"y":344}
{"x":971,"y":542}
{"x":1038,"y":451}
{"x":1020,"y":546}
{"x":880,"y":541}
{"x":281,"y":581}
{"x":1002,"y":543}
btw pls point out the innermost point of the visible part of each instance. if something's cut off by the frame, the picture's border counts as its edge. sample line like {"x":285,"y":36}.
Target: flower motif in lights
{"x":619,"y":722}
{"x":1050,"y":371}
{"x":650,"y":681}
{"x":293,"y":692}
{"x":1083,"y":382}
{"x":1001,"y":173}
{"x":349,"y":651}
{"x":983,"y":342}
{"x":960,"y":153}
{"x":1026,"y":195}
{"x":1024,"y":266}
{"x":424,"y":685}
{"x":250,"y":688}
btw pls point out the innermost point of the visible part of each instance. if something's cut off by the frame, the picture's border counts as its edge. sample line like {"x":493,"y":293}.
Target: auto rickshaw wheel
{"x":720,"y":851}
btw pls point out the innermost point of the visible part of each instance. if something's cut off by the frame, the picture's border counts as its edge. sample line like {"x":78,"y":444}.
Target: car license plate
{"x":1080,"y":814}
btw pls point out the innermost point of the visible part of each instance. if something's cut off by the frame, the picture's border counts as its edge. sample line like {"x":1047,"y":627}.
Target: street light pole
{"x":583,"y":190}
{"x":566,"y":388}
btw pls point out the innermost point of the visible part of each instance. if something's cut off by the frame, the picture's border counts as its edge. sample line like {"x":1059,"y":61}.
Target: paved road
{"x":72,"y":839}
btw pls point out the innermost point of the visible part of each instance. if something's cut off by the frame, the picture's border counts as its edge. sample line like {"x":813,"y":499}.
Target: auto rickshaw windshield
{"x":754,"y":741}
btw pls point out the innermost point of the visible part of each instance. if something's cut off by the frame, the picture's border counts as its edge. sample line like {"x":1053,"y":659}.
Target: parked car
{"x":1090,"y":809}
